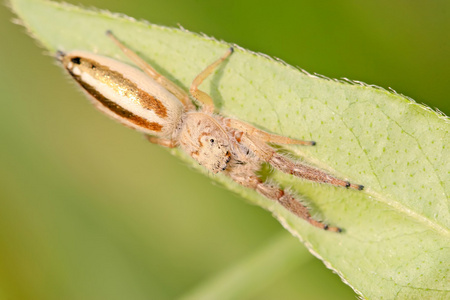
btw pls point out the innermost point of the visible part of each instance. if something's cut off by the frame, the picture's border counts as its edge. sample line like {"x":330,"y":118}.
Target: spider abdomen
{"x":125,"y":93}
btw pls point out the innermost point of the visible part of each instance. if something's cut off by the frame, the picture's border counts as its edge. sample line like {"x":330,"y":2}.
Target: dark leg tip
{"x":231,"y":49}
{"x":360,"y":187}
{"x":60,"y":55}
{"x":313,"y":143}
{"x":108,"y":32}
{"x":347,"y":184}
{"x":332,"y":229}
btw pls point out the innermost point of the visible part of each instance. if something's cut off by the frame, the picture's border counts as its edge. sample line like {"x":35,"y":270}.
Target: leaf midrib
{"x":391,"y":202}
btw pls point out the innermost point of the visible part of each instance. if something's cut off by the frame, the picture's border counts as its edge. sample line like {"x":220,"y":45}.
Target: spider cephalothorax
{"x":202,"y":137}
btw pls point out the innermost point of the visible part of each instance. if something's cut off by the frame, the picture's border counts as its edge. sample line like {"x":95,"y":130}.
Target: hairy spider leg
{"x":268,"y":154}
{"x":150,"y":71}
{"x":264,"y":136}
{"x":240,"y":174}
{"x":163,"y":142}
{"x":202,"y":97}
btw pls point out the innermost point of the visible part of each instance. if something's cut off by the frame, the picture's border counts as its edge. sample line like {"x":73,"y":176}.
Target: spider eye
{"x":212,"y":141}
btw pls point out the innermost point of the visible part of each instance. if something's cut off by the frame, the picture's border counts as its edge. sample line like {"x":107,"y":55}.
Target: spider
{"x":164,"y":112}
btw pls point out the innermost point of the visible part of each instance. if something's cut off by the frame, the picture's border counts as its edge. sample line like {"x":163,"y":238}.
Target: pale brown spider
{"x":164,"y":112}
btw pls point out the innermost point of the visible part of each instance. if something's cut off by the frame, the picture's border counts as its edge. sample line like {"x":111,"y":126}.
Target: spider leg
{"x":282,"y":163}
{"x":160,"y":141}
{"x":202,"y":97}
{"x":245,"y":176}
{"x":150,"y":71}
{"x":262,"y":135}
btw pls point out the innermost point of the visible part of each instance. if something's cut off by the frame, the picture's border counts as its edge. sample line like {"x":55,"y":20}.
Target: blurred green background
{"x":90,"y":210}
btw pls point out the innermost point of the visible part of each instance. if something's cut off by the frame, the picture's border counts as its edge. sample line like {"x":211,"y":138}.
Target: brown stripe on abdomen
{"x":122,"y":86}
{"x":117,"y":109}
{"x":150,"y":102}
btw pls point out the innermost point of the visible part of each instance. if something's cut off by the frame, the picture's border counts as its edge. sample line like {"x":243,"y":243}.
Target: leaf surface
{"x":396,"y":231}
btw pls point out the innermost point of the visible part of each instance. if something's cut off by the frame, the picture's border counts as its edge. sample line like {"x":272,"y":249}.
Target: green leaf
{"x":396,"y":238}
